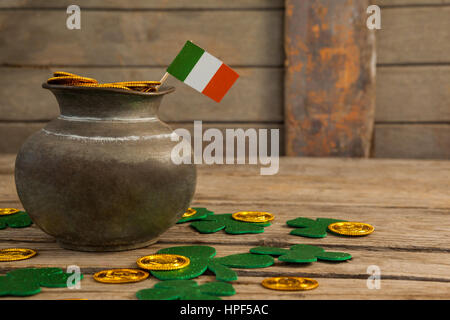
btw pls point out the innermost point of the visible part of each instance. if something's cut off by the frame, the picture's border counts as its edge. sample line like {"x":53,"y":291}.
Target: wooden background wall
{"x":135,"y":40}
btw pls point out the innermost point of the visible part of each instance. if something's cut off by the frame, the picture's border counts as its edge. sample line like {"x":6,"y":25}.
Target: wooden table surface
{"x":407,"y":202}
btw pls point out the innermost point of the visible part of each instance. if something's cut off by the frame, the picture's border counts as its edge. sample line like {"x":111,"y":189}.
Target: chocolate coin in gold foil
{"x":253,"y":216}
{"x":290,"y":283}
{"x":8,"y":211}
{"x":161,"y":261}
{"x":15,"y":254}
{"x":353,"y":229}
{"x":120,"y":275}
{"x":189,"y":212}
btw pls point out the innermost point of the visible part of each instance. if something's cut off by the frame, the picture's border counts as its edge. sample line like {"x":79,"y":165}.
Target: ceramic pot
{"x":100,"y":176}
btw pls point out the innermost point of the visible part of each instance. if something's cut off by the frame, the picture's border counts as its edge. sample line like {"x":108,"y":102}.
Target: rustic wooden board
{"x":256,"y":96}
{"x":390,"y":3}
{"x":141,"y":38}
{"x":418,"y":141}
{"x":330,"y":79}
{"x":421,"y":266}
{"x":408,"y":205}
{"x":403,"y":94}
{"x":349,"y":187}
{"x":414,"y":35}
{"x":413,"y":94}
{"x":146,"y":4}
{"x":20,"y":131}
{"x":249,"y":288}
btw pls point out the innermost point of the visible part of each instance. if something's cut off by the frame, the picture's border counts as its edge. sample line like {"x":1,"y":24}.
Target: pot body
{"x":100,"y":176}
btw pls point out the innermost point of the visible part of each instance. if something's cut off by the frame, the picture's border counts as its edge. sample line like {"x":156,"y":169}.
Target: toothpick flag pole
{"x":163,"y":79}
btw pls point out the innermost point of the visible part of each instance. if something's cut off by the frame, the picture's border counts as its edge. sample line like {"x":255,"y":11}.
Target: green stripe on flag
{"x":185,"y":61}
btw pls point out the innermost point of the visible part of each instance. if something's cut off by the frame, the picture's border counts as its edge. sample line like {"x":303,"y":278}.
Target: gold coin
{"x":348,"y":228}
{"x":65,"y":79}
{"x":161,"y":261}
{"x":136,"y":83}
{"x":63,"y":73}
{"x":98,"y":85}
{"x":15,"y":254}
{"x":7,"y":211}
{"x":290,"y":283}
{"x":189,"y":212}
{"x":120,"y":275}
{"x":253,"y":216}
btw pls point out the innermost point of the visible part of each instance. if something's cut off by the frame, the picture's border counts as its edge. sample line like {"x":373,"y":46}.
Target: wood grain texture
{"x":256,"y":96}
{"x":412,"y":141}
{"x":249,"y":288}
{"x":143,"y":38}
{"x":330,"y":79}
{"x":404,"y":94}
{"x":414,"y":35}
{"x":390,"y":3}
{"x":20,"y":131}
{"x":413,"y":94}
{"x":408,"y":204}
{"x":145,"y":4}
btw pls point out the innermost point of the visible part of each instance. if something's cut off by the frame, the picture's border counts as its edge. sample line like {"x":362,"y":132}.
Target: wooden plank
{"x":413,"y":94}
{"x":390,"y":3}
{"x":408,"y":205}
{"x":256,"y":97}
{"x":249,"y":288}
{"x":412,"y":141}
{"x":140,"y":38}
{"x":20,"y":131}
{"x":408,"y":265}
{"x":145,"y":4}
{"x":330,"y":79}
{"x":414,"y":35}
{"x":314,"y":183}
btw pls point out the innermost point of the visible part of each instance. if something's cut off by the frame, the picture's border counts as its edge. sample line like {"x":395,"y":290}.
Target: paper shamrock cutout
{"x":311,"y":228}
{"x":186,"y":290}
{"x":302,"y":253}
{"x":202,"y":258}
{"x":217,"y":222}
{"x":201,"y":213}
{"x":28,"y":281}
{"x":20,"y":219}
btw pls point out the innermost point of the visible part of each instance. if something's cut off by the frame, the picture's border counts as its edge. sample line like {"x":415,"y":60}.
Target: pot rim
{"x":165,"y":89}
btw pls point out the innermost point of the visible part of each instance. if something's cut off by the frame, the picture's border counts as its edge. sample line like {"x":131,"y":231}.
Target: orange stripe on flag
{"x":220,"y":83}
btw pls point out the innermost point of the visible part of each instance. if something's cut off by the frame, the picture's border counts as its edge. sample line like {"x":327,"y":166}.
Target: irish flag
{"x":202,"y":71}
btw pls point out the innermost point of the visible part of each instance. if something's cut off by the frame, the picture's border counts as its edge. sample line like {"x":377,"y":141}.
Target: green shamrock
{"x":302,"y":253}
{"x":216,"y":222}
{"x":202,"y":258}
{"x":186,"y":290}
{"x":311,"y":228}
{"x":17,"y":220}
{"x":28,"y":281}
{"x":201,"y":213}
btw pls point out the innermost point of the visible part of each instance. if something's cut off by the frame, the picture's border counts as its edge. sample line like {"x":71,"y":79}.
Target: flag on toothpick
{"x":202,"y":71}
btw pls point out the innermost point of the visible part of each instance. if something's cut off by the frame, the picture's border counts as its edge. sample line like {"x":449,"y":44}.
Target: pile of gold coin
{"x":352,"y":229}
{"x":71,"y":79}
{"x":161,"y":261}
{"x":253,"y":216}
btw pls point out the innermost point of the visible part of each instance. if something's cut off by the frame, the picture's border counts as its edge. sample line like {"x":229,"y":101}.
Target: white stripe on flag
{"x":203,"y":71}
